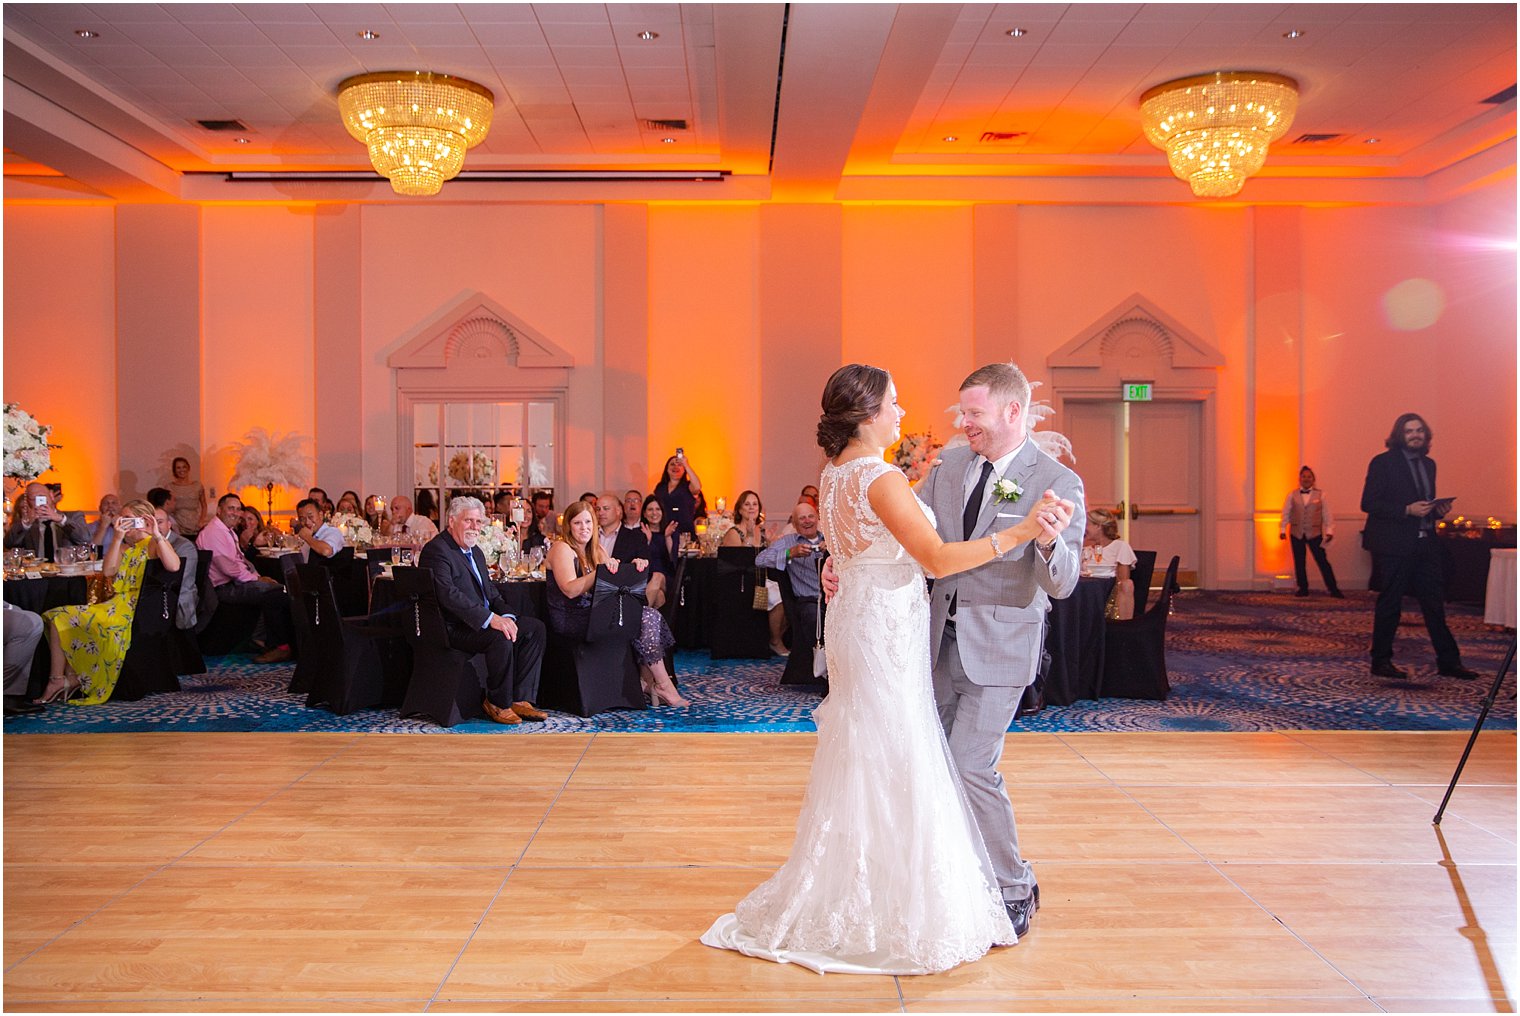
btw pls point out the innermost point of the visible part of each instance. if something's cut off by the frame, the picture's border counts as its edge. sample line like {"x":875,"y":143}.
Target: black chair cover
{"x":804,"y":618}
{"x":590,"y":676}
{"x":350,"y":673}
{"x":1140,"y":574}
{"x":302,"y":676}
{"x":148,"y":668}
{"x":736,"y":630}
{"x":446,"y":685}
{"x":1134,"y":651}
{"x":350,"y":581}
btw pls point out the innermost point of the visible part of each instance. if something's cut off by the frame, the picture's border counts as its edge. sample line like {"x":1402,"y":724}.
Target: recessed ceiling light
{"x":241,"y":141}
{"x":1017,"y":33}
{"x":85,"y":33}
{"x":667,"y":141}
{"x":1371,"y":141}
{"x":951,"y":137}
{"x":1293,"y":33}
{"x":367,"y":35}
{"x":649,"y":36}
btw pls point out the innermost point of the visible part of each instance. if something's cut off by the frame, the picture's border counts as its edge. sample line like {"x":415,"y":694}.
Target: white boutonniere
{"x":1006,"y":490}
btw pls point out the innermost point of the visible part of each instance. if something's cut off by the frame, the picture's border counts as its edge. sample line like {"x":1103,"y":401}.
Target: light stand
{"x":1493,"y":693}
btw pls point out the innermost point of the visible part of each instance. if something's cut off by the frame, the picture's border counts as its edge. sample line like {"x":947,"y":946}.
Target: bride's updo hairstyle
{"x":853,"y":395}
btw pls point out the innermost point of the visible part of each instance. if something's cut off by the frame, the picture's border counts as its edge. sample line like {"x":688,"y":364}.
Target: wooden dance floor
{"x":1179,"y":872}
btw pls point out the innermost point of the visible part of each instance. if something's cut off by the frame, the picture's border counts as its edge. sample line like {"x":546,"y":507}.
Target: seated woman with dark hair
{"x":749,"y":531}
{"x":572,"y":565}
{"x":662,"y":538}
{"x":374,"y":511}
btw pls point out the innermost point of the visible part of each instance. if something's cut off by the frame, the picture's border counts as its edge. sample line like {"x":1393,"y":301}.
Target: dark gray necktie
{"x":974,"y":502}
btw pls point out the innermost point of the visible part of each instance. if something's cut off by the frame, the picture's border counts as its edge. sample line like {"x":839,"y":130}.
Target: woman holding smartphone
{"x":679,"y":491}
{"x":89,"y":642}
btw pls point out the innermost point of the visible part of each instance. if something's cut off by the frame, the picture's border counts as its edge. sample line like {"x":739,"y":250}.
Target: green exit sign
{"x":1137,"y":392}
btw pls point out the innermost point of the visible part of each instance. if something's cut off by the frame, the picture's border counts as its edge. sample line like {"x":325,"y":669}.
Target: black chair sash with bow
{"x":617,"y":603}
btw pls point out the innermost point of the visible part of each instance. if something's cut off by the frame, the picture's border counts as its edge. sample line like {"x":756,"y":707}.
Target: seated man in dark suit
{"x":477,"y":616}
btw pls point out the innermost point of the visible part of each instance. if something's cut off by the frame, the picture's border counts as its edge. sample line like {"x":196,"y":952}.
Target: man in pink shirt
{"x":235,"y":581}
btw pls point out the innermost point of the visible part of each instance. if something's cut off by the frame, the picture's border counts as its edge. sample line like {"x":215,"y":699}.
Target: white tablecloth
{"x":1499,"y":603}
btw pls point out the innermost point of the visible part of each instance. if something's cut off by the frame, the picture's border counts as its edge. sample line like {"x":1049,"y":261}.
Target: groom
{"x":987,"y":625}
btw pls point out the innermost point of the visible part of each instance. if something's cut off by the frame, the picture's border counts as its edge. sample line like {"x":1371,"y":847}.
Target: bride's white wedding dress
{"x":888,"y":874}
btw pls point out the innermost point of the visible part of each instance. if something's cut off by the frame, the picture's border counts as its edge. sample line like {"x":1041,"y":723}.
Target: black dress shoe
{"x":1019,"y":912}
{"x":1460,"y":672}
{"x":17,"y":705}
{"x":1336,"y":594}
{"x":1301,"y":592}
{"x":1387,"y":669}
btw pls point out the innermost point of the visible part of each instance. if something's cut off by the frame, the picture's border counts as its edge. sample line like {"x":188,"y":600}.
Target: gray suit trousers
{"x":976,"y":718}
{"x":23,"y":630}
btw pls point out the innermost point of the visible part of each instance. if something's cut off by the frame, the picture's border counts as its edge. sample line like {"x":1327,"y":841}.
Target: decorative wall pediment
{"x":475,"y":335}
{"x":1137,"y":341}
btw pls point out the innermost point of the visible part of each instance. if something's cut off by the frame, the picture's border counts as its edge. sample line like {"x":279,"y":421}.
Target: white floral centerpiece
{"x":494,"y":541}
{"x":914,"y":453}
{"x":356,"y":531}
{"x":27,"y":452}
{"x":471,"y":468}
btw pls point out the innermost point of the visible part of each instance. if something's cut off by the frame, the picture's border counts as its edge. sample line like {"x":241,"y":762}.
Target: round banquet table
{"x":1074,"y":640}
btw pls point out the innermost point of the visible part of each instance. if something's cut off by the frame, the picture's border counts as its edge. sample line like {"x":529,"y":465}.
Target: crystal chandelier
{"x":417,"y":124}
{"x":1215,"y":128}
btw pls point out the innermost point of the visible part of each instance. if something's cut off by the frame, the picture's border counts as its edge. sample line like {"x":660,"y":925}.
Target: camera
{"x":40,"y":500}
{"x":680,"y":453}
{"x":136,"y":522}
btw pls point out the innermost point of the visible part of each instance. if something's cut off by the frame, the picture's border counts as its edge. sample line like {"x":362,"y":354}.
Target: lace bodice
{"x":851,"y":526}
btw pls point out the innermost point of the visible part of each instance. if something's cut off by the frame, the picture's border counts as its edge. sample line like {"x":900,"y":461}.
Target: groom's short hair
{"x":1003,"y":381}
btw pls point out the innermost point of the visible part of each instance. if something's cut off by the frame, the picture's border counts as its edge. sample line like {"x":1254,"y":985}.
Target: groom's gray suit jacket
{"x":1000,"y":606}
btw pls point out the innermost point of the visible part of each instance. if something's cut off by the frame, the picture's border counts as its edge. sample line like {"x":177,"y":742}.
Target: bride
{"x":888,"y":873}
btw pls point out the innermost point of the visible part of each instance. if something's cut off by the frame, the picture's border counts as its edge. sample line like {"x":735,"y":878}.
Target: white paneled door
{"x":1165,"y":459}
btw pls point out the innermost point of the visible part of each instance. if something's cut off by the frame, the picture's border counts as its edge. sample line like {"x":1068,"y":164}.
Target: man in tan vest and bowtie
{"x":1307,"y":520}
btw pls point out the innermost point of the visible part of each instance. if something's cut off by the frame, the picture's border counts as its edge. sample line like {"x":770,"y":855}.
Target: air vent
{"x":224,"y":125}
{"x":1499,"y":98}
{"x":992,"y":137}
{"x":1316,"y":139}
{"x":665,"y":125}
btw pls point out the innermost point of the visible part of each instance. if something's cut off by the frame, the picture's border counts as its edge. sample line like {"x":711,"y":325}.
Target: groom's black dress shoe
{"x":1386,"y":669}
{"x":1458,"y":671}
{"x":1020,"y":911}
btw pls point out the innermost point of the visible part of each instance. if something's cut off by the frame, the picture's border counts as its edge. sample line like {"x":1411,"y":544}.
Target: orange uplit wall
{"x":713,"y":328}
{"x":60,"y":351}
{"x":256,"y":340}
{"x":908,"y":304}
{"x":704,"y":344}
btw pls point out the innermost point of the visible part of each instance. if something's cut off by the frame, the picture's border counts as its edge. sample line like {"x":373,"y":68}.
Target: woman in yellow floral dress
{"x":90,"y":642}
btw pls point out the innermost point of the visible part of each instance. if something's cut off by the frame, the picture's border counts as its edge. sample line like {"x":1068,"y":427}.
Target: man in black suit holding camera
{"x":1399,"y":498}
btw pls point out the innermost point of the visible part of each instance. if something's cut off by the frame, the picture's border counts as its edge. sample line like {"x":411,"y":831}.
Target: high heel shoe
{"x":665,"y":694}
{"x":65,"y":689}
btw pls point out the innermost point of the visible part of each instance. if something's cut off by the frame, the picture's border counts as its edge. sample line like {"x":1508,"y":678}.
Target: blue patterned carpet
{"x":1238,"y":661}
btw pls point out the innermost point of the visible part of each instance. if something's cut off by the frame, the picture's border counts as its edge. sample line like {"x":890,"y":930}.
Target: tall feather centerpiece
{"x":267,"y":461}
